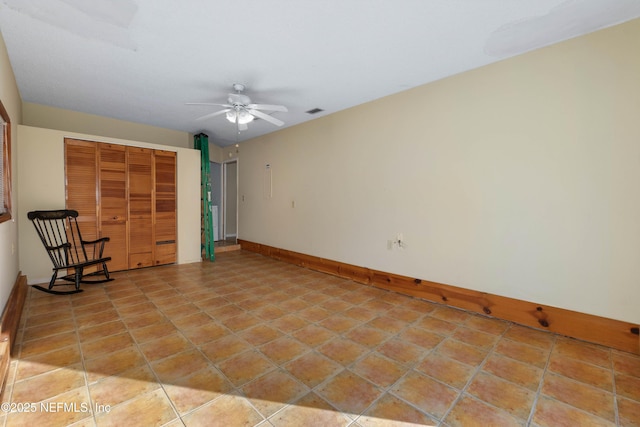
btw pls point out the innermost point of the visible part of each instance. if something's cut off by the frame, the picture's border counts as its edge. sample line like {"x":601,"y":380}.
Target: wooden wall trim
{"x":599,"y":330}
{"x":10,"y":323}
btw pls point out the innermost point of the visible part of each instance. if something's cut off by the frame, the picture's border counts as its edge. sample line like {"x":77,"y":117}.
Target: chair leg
{"x":78,"y":277}
{"x":53,"y":279}
{"x":106,"y":272}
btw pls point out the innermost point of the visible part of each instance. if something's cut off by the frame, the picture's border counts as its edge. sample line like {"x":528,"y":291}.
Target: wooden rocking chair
{"x":59,"y":232}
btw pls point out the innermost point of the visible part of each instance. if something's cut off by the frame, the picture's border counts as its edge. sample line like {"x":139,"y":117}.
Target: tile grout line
{"x":534,"y":407}
{"x":477,"y":371}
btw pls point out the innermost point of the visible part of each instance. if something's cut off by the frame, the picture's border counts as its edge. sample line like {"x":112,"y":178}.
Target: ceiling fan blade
{"x":270,"y":107}
{"x":208,"y":103}
{"x":217,"y":113}
{"x":266,"y":117}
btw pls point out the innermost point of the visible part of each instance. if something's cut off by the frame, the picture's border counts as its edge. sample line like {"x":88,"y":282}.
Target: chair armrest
{"x":93,"y":242}
{"x":98,"y":246}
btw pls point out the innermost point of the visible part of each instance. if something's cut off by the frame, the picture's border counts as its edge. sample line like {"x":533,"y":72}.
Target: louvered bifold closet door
{"x":141,"y":204}
{"x":113,"y":203}
{"x":81,"y":174}
{"x":165,"y":214}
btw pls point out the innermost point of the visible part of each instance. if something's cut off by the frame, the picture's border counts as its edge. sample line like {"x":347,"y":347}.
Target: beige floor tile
{"x":462,"y":352}
{"x":124,"y":386}
{"x":367,"y":336}
{"x":308,"y":411}
{"x":579,"y":395}
{"x":106,"y":345}
{"x":245,"y":367}
{"x":192,"y":320}
{"x":224,"y":348}
{"x":149,"y":409}
{"x":581,"y":371}
{"x":313,"y":335}
{"x":343,"y":351}
{"x":523,"y":352}
{"x":49,"y":384}
{"x":113,"y":364}
{"x":338,"y":323}
{"x":388,"y":324}
{"x":519,"y":373}
{"x":180,"y":365}
{"x":450,"y":314}
{"x":165,"y":346}
{"x":629,"y":412}
{"x":583,"y":351}
{"x":507,"y":396}
{"x":421,"y":337}
{"x":312,"y":368}
{"x":446,"y":370}
{"x":487,"y":324}
{"x":628,"y":386}
{"x":64,"y":409}
{"x":472,"y":412}
{"x":260,"y":334}
{"x":530,"y":336}
{"x":101,"y":331}
{"x":284,"y":349}
{"x":401,"y":351}
{"x":474,"y":337}
{"x":228,"y":410}
{"x":378,"y":369}
{"x":202,"y":334}
{"x":551,"y":413}
{"x":41,"y":363}
{"x":47,"y":344}
{"x":205,"y":385}
{"x":48,"y":330}
{"x":273,"y":391}
{"x":626,"y":363}
{"x":437,"y":326}
{"x":153,"y":332}
{"x":425,"y":393}
{"x":349,"y":392}
{"x":241,"y":322}
{"x":391,"y":411}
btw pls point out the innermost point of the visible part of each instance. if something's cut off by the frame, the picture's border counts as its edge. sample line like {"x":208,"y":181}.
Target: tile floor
{"x":252,"y":341}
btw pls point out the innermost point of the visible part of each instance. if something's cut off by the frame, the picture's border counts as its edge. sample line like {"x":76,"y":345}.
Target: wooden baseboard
{"x":9,"y":325}
{"x":600,"y":330}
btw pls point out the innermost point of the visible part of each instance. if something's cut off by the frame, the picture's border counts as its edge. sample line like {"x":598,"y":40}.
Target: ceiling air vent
{"x":314,"y":111}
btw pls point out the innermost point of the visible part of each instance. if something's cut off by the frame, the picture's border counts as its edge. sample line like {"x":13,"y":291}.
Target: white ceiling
{"x":142,"y":60}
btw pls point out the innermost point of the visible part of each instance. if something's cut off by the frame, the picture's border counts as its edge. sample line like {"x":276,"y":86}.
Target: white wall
{"x":10,"y":98}
{"x":42,"y":186}
{"x":518,"y":179}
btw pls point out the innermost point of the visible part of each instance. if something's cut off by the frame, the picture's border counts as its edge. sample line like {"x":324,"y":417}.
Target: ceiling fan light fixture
{"x":243,"y":117}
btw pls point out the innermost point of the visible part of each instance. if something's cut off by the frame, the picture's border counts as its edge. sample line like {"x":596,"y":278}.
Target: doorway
{"x":224,"y":201}
{"x":230,"y":201}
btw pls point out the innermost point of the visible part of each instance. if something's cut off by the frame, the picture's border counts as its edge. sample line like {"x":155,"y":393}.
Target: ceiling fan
{"x":240,"y":110}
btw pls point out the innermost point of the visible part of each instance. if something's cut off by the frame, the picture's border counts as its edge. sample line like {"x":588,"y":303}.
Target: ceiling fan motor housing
{"x":238,"y":99}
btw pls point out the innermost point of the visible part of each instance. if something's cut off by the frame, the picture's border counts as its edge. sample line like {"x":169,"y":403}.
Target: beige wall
{"x":42,"y":186}
{"x":10,"y":98}
{"x":519,"y":179}
{"x":43,"y":116}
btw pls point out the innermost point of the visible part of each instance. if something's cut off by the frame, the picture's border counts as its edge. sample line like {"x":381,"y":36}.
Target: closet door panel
{"x":113,"y":203}
{"x":81,"y":182}
{"x":165,"y":207}
{"x":141,"y":204}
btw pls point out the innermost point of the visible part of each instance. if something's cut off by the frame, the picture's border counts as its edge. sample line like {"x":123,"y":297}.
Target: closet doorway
{"x":224,"y":201}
